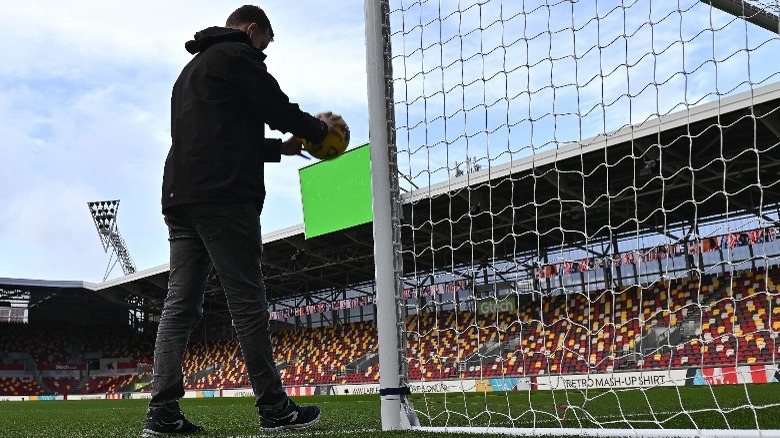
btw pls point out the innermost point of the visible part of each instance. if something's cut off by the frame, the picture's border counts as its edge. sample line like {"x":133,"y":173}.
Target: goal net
{"x":585,"y":214}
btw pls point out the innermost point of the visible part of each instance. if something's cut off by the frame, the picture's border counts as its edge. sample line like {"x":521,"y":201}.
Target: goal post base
{"x":408,"y":415}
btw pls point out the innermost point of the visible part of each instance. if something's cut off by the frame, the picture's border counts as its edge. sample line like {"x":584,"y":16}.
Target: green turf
{"x":704,"y":407}
{"x":358,"y":416}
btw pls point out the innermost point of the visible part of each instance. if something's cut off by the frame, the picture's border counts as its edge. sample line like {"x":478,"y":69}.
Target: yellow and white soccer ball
{"x":334,"y":144}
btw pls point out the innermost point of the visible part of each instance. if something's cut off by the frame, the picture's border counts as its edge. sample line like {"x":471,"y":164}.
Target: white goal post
{"x":576,"y":206}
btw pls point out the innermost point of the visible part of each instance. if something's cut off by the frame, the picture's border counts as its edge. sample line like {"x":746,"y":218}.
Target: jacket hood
{"x":213,"y":35}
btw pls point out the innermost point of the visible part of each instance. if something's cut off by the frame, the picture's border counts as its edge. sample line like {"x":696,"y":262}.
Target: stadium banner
{"x":45,"y":397}
{"x":299,"y":390}
{"x":733,"y":375}
{"x":31,"y":397}
{"x":442,"y":386}
{"x":110,"y":396}
{"x":652,"y":254}
{"x":86,"y":397}
{"x":437,"y":289}
{"x":368,"y":388}
{"x":450,"y":287}
{"x":630,"y":379}
{"x":245,"y":392}
{"x":500,"y":384}
{"x":203,"y":393}
{"x":61,"y":367}
{"x":323,"y":307}
{"x":491,"y":306}
{"x":294,"y":391}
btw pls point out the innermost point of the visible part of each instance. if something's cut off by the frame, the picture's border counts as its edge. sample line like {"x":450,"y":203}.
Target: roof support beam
{"x":750,"y":12}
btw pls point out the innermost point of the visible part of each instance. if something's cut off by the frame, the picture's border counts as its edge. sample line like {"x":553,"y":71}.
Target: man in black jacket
{"x":212,"y":195}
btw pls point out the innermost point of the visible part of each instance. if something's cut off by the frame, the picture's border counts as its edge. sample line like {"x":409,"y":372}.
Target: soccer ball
{"x":334,"y":144}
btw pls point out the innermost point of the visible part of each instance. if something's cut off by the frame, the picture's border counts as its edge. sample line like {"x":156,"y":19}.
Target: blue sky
{"x":541,"y":74}
{"x":85,"y":88}
{"x":84,"y":116}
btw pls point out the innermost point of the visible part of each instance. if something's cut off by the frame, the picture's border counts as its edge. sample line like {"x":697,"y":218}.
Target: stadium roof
{"x":642,"y":178}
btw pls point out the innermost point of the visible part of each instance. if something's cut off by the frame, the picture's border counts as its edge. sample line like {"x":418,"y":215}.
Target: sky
{"x":84,"y":116}
{"x":500,"y":81}
{"x":85,"y":89}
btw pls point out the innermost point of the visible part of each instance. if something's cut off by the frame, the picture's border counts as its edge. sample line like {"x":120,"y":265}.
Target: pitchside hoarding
{"x":444,"y":386}
{"x":746,"y":374}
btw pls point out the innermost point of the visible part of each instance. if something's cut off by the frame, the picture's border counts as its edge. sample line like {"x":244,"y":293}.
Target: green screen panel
{"x":336,"y":194}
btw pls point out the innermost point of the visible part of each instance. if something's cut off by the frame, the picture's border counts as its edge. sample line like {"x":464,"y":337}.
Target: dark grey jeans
{"x":226,"y":236}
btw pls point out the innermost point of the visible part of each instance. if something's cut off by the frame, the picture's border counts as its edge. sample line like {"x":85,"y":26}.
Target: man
{"x":213,"y":193}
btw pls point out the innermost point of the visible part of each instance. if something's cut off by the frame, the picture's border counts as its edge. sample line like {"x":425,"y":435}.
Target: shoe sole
{"x":291,"y":426}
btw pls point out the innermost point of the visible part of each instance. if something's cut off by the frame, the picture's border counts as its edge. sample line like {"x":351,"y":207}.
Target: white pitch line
{"x":307,"y":433}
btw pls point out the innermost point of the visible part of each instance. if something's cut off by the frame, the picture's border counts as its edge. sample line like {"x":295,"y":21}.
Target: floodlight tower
{"x":104,"y":215}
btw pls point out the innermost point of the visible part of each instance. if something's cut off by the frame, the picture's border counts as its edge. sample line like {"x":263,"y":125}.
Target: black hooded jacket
{"x":220,"y":104}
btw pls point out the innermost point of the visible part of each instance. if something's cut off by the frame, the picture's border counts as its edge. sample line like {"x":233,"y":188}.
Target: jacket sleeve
{"x":272,"y":152}
{"x":266,"y":98}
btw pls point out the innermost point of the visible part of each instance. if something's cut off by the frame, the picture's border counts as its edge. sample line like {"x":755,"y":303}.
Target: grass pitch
{"x":358,"y":416}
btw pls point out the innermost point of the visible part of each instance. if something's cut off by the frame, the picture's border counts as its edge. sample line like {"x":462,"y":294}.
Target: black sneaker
{"x":291,"y":417}
{"x":159,"y":422}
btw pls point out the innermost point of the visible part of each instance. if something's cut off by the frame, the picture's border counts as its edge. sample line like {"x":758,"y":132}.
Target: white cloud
{"x":84,"y":115}
{"x":43,"y":235}
{"x":85,"y":88}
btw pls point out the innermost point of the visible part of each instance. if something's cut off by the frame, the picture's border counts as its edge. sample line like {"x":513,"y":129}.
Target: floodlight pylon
{"x":104,"y":214}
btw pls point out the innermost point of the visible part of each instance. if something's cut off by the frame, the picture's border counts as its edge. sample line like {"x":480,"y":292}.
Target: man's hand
{"x":335,"y":123}
{"x":293,"y":146}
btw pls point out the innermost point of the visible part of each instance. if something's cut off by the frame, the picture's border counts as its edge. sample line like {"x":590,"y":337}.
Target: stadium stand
{"x":111,"y":384}
{"x":301,"y":356}
{"x":20,"y":386}
{"x":119,"y":341}
{"x":696,"y":321}
{"x":323,"y":356}
{"x":599,"y":333}
{"x":44,"y":343}
{"x":61,"y":385}
{"x":218,"y":365}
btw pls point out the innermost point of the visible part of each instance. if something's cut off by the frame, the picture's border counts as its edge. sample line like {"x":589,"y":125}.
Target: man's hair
{"x":249,"y":14}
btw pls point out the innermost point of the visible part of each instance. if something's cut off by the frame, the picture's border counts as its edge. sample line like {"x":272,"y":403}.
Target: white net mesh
{"x":590,"y":202}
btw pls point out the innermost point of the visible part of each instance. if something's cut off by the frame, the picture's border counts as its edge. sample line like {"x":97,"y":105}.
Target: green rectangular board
{"x":336,"y":194}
